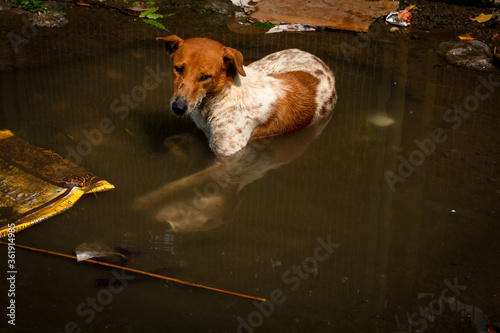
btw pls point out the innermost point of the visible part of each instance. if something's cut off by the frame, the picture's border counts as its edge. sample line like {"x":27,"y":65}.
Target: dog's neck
{"x":240,"y":108}
{"x":251,"y":94}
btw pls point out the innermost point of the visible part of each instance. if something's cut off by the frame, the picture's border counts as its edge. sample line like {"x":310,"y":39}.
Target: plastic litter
{"x":98,"y":250}
{"x":470,"y":54}
{"x":291,"y":27}
{"x":36,"y":184}
{"x":241,"y":3}
{"x":401,"y":18}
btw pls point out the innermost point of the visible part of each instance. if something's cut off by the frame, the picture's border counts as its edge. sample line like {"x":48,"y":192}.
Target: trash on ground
{"x":241,"y":3}
{"x":482,"y":18}
{"x":470,"y":54}
{"x":291,"y":27}
{"x":489,"y":19}
{"x":82,"y":3}
{"x":353,"y":15}
{"x":48,"y":20}
{"x":401,"y":18}
{"x":36,"y":184}
{"x":102,"y":252}
{"x":466,"y":37}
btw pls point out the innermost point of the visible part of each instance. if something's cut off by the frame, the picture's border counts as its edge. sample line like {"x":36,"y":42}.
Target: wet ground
{"x":385,"y":218}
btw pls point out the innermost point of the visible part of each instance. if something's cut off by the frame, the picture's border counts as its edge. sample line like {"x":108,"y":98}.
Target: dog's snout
{"x":179,"y":106}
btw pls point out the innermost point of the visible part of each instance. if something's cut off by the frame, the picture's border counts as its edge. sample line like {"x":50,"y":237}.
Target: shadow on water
{"x":383,"y":219}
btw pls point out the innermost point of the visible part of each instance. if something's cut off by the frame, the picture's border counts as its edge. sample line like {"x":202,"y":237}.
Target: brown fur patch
{"x":295,"y":109}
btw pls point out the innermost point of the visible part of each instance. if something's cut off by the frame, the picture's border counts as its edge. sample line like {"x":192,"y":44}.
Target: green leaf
{"x":154,"y":16}
{"x":148,"y":12}
{"x":155,"y":24}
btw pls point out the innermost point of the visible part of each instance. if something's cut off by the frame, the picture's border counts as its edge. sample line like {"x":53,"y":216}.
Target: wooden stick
{"x":138,"y":272}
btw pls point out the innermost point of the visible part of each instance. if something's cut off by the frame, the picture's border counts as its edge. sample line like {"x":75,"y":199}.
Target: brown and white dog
{"x":283,"y":92}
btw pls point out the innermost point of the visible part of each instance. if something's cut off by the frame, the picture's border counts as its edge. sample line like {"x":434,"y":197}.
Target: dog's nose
{"x":179,"y":106}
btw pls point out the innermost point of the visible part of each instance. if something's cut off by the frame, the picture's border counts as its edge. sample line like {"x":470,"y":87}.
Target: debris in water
{"x":401,"y":17}
{"x":381,"y":120}
{"x":102,"y":252}
{"x":470,"y":54}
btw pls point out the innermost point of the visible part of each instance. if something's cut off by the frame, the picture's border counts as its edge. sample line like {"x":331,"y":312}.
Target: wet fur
{"x":281,"y":93}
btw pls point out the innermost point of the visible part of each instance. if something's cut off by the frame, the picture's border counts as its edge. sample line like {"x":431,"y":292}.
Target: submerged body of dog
{"x":283,"y":92}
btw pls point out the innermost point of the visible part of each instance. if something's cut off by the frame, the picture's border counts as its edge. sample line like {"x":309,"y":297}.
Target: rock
{"x":470,"y":54}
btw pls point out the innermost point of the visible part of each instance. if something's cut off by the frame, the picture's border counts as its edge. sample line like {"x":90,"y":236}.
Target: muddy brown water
{"x":384,"y":218}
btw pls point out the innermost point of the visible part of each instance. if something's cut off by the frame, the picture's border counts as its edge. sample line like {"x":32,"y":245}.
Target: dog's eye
{"x":205,"y":77}
{"x":179,"y":69}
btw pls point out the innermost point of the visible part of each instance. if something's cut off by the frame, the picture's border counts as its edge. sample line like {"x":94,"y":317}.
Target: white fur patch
{"x":229,"y":119}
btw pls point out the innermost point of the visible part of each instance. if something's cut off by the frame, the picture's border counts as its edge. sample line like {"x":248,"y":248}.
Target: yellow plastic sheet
{"x":36,"y":184}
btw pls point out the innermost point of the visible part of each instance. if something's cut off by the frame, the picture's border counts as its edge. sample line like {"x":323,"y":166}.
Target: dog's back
{"x":306,"y":77}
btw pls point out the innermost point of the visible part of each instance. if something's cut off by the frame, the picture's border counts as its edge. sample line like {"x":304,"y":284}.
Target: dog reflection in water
{"x":208,"y":198}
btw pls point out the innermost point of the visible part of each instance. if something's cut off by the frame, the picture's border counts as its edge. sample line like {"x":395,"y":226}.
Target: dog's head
{"x":201,"y":68}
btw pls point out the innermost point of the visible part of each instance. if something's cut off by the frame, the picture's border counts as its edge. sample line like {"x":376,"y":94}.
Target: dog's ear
{"x":172,"y":43}
{"x":234,"y":61}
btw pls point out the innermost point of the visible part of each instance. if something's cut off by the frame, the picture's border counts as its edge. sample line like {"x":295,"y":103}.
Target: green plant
{"x":150,"y":16}
{"x":31,"y":5}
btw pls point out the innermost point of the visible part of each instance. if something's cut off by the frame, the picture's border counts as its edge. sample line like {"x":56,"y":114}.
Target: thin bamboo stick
{"x":192,"y":284}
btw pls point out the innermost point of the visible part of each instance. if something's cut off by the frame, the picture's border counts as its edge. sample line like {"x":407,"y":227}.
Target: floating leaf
{"x":155,"y":24}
